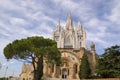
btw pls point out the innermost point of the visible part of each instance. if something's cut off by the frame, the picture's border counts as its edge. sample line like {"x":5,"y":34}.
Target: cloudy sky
{"x":23,"y":18}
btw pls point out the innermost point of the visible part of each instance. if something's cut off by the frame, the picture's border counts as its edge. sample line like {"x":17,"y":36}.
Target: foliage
{"x":85,"y":71}
{"x":3,"y":78}
{"x":34,"y":50}
{"x":109,"y":63}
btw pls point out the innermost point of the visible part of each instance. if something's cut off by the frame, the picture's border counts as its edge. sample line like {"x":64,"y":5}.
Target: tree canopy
{"x":85,"y":71}
{"x":109,"y":63}
{"x":34,"y":50}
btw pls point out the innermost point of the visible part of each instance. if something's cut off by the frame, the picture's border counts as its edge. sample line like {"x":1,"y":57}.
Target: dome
{"x":92,"y":45}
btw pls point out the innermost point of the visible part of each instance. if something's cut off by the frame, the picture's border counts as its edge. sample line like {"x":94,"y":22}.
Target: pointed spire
{"x":58,"y":26}
{"x":79,"y":26}
{"x":69,"y":23}
{"x":69,"y":15}
{"x":59,"y":22}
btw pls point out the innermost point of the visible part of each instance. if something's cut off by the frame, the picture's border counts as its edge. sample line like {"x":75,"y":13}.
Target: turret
{"x":93,"y":57}
{"x":92,"y":46}
{"x":79,"y":26}
{"x":81,"y":36}
{"x":58,"y":28}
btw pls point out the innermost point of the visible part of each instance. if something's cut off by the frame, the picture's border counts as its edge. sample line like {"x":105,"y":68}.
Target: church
{"x":71,"y":42}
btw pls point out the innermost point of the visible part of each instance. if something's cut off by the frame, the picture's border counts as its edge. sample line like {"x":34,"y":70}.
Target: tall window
{"x":75,"y":68}
{"x":68,"y":41}
{"x":52,"y":68}
{"x":60,"y":71}
{"x":68,"y":71}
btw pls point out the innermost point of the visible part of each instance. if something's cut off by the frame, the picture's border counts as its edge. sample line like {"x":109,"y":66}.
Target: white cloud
{"x":81,"y":8}
{"x":17,"y":21}
{"x":96,"y":29}
{"x":70,"y":4}
{"x":114,"y":14}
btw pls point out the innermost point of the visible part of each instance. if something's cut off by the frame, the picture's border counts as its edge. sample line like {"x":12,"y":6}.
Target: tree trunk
{"x":38,"y":72}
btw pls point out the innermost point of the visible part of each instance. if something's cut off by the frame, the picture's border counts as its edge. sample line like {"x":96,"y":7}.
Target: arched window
{"x":68,"y":41}
{"x":68,"y":71}
{"x":75,"y":68}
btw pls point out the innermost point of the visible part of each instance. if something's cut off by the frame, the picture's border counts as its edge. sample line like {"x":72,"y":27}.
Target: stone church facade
{"x":72,"y":45}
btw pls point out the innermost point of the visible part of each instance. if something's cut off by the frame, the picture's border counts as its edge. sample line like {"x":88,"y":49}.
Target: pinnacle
{"x":58,"y":26}
{"x":69,"y":16}
{"x":79,"y":25}
{"x":69,"y":23}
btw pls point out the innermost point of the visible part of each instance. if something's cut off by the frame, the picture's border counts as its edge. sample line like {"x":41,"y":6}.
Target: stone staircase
{"x":59,"y":79}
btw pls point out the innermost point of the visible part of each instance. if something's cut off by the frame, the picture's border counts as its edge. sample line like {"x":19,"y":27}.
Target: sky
{"x":24,"y":18}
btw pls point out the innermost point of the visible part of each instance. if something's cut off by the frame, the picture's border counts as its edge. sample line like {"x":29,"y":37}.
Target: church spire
{"x":58,"y":26}
{"x":69,"y":23}
{"x":80,"y":26}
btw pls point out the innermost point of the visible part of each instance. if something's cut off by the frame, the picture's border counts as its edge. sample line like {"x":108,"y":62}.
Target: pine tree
{"x":109,"y":63}
{"x":32,"y":48}
{"x":84,"y":68}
